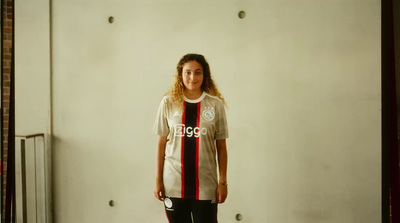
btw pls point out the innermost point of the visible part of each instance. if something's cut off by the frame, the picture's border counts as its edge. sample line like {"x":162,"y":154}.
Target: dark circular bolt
{"x":238,"y":217}
{"x":110,"y":19}
{"x":111,"y":203}
{"x":242,"y":14}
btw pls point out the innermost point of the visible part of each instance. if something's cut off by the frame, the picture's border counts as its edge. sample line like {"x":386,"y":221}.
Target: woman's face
{"x":192,"y":75}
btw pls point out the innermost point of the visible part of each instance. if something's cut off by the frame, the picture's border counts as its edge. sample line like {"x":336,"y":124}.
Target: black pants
{"x":181,"y":210}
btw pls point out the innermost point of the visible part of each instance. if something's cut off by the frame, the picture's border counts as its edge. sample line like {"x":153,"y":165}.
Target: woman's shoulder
{"x":164,"y":101}
{"x":167,"y":100}
{"x":165,"y":97}
{"x":214,"y":99}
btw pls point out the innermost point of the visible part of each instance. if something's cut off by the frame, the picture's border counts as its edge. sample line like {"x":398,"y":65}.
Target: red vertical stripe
{"x":183,"y":152}
{"x":166,"y":214}
{"x":197,"y":151}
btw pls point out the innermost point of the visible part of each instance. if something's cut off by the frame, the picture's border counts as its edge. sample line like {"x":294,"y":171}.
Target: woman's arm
{"x":159,"y":185}
{"x":222,"y":189}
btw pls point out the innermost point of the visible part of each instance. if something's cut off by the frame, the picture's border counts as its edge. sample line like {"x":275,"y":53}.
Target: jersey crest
{"x":208,"y":113}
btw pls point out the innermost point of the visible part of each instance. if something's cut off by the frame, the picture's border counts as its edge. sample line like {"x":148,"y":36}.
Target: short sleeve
{"x":221,"y":125}
{"x":161,"y":124}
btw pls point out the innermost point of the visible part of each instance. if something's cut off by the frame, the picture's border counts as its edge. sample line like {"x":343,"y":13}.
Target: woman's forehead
{"x":192,"y":65}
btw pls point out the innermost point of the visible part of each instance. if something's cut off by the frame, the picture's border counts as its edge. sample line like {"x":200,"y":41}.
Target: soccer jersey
{"x":190,"y":165}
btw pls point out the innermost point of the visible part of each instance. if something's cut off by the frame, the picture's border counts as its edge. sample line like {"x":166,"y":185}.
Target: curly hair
{"x":208,"y":86}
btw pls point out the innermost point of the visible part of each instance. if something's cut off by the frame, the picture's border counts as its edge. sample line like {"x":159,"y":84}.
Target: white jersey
{"x":190,"y":165}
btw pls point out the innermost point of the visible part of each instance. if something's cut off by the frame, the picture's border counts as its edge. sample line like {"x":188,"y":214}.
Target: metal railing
{"x":31,"y":179}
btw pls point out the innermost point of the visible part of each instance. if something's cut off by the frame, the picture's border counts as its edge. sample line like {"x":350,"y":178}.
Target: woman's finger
{"x":157,"y":195}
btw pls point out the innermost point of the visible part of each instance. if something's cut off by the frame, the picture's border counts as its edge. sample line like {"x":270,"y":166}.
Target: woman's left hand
{"x":222,"y":193}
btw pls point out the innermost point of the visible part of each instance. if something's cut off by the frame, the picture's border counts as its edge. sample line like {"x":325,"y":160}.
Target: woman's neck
{"x":192,"y":95}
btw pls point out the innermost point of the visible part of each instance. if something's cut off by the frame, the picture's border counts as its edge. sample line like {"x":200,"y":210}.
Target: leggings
{"x":181,"y":210}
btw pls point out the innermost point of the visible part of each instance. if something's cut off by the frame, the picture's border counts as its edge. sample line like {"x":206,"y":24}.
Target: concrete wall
{"x":302,"y":82}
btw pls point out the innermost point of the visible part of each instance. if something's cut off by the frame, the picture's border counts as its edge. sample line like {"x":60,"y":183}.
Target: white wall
{"x":302,"y":82}
{"x":32,"y":55}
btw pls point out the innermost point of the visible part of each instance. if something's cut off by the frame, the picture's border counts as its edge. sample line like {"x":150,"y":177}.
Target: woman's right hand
{"x":159,"y":191}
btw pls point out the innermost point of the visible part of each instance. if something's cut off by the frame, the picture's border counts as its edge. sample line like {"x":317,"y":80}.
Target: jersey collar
{"x":195,"y":100}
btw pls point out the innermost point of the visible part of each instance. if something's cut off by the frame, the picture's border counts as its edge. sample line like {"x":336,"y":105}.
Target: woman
{"x":192,"y":130}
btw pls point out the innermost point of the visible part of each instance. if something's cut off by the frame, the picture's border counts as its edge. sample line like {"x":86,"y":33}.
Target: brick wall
{"x":7,"y":50}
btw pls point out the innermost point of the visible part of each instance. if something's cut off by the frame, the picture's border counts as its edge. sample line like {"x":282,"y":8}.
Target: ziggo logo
{"x":181,"y":131}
